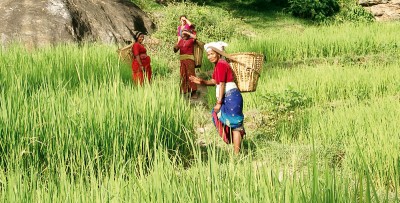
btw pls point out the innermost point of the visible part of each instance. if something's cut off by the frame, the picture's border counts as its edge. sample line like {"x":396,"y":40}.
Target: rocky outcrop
{"x":383,"y":10}
{"x":36,"y":23}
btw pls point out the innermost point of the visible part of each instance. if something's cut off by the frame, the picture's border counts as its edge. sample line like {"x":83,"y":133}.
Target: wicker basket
{"x":247,"y":68}
{"x":125,"y":54}
{"x":198,"y":53}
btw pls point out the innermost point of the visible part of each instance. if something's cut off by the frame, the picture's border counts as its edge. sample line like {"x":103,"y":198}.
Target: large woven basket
{"x":247,"y":68}
{"x":125,"y":54}
{"x":198,"y":53}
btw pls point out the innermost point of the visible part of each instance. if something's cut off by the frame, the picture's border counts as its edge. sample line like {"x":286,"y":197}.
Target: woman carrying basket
{"x":185,"y":25}
{"x":141,"y":61}
{"x":187,"y":69}
{"x":228,"y":112}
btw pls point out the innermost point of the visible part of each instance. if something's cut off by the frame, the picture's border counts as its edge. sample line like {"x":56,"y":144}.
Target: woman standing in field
{"x":187,"y":69}
{"x":141,"y":61}
{"x":228,"y":111}
{"x":185,"y":25}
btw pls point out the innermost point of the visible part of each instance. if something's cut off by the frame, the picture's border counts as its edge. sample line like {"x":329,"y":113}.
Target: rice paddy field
{"x":321,"y":127}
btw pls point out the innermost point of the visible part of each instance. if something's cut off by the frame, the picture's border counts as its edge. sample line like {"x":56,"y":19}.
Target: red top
{"x":187,"y":27}
{"x":138,"y":48}
{"x":222,"y":72}
{"x":186,"y":46}
{"x":179,"y":33}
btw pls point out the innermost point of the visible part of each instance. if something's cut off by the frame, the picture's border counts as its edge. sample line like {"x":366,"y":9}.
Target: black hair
{"x":182,"y":16}
{"x":136,"y":36}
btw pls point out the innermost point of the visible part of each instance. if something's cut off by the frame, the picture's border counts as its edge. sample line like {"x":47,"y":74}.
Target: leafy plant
{"x":287,"y":101}
{"x":211,"y":23}
{"x":354,"y":13}
{"x":313,"y":9}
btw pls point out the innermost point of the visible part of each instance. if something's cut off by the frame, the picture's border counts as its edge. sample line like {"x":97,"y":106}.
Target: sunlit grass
{"x":321,"y":127}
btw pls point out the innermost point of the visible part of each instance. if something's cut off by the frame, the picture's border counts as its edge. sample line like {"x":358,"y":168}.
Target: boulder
{"x":42,"y":22}
{"x":383,"y":10}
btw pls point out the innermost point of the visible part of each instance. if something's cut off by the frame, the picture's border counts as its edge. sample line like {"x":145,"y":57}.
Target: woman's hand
{"x":187,"y":21}
{"x":176,"y":48}
{"x":196,"y":80}
{"x":188,"y":33}
{"x":217,"y":107}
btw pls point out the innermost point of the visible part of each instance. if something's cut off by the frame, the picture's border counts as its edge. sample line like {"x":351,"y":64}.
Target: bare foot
{"x":195,"y":95}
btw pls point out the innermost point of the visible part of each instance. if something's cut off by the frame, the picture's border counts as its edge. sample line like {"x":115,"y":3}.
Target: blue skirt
{"x":230,"y":117}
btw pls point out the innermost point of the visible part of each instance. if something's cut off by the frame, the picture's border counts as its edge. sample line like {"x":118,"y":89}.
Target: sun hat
{"x":218,"y":47}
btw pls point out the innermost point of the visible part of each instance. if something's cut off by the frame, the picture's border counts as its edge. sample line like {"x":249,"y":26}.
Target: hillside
{"x":322,"y":125}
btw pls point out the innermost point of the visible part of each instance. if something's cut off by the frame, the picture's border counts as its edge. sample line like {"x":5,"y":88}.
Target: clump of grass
{"x":80,"y":110}
{"x":74,"y":127}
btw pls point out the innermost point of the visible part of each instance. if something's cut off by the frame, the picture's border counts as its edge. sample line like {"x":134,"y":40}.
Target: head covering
{"x":137,"y":35}
{"x":218,"y":47}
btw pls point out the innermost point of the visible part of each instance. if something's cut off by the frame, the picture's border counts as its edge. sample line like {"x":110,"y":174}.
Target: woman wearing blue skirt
{"x":227,"y":113}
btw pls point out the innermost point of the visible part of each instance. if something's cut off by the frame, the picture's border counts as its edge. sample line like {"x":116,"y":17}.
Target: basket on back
{"x":247,"y":68}
{"x":125,"y":54}
{"x":198,"y":53}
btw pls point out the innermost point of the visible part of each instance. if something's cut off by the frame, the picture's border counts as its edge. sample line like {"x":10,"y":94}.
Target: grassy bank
{"x":321,"y":127}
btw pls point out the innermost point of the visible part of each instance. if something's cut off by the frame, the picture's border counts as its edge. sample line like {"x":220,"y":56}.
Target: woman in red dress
{"x":185,"y":25}
{"x":186,"y":50}
{"x":141,"y":61}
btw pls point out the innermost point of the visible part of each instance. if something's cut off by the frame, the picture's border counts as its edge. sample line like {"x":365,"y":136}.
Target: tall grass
{"x":74,"y":128}
{"x":299,"y":43}
{"x":79,"y":110}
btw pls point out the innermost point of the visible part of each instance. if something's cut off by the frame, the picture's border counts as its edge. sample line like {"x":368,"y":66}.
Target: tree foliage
{"x":313,"y":9}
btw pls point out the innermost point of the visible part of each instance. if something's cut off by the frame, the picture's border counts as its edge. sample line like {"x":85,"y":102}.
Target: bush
{"x":212,"y":23}
{"x":290,"y":100}
{"x":313,"y":9}
{"x":354,"y":13}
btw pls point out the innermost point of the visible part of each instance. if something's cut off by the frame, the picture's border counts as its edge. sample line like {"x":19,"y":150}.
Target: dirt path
{"x":202,"y":96}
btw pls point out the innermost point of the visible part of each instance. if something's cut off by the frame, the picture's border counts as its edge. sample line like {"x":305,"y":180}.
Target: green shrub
{"x":313,"y":9}
{"x":354,"y":13}
{"x":212,"y":23}
{"x":290,"y":100}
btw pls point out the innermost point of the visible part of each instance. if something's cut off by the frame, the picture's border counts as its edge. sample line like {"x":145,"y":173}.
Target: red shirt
{"x":179,"y":33}
{"x":138,"y":48}
{"x":186,"y":46}
{"x":222,"y":72}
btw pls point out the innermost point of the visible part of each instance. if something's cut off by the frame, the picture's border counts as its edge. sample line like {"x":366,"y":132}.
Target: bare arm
{"x":200,"y":81}
{"x":176,"y":47}
{"x":188,"y":22}
{"x":190,"y":34}
{"x":221,"y":91}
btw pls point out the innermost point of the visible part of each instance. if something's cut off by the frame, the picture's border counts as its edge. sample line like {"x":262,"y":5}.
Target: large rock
{"x":40,"y":22}
{"x":383,"y":10}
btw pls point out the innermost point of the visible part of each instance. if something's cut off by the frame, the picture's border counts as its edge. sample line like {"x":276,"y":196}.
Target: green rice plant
{"x":242,"y":180}
{"x":74,"y":127}
{"x":49,"y":121}
{"x":310,"y":43}
{"x":327,"y":84}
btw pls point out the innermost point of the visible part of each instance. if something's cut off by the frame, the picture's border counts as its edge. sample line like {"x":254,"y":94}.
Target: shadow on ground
{"x":257,"y":13}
